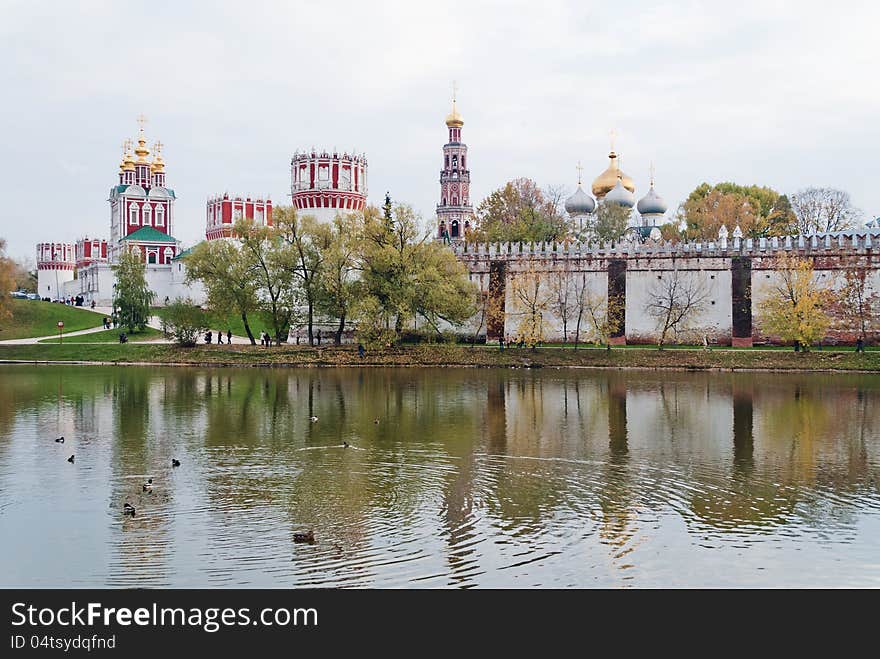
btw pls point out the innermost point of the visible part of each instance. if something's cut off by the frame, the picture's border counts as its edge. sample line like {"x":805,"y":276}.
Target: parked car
{"x":18,"y":295}
{"x":33,"y":296}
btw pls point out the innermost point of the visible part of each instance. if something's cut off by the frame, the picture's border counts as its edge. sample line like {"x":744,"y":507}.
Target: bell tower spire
{"x":454,"y":212}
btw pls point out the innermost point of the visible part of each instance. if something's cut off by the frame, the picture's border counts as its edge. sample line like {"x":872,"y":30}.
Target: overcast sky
{"x":782,"y":94}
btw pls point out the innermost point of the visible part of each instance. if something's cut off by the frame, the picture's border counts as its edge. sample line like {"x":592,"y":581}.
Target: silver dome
{"x":652,"y":204}
{"x":580,"y":203}
{"x":621,"y":196}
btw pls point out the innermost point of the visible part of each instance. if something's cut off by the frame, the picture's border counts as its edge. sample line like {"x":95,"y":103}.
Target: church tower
{"x":454,"y":212}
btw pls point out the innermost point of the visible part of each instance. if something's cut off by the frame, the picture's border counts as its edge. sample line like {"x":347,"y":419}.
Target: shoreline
{"x":442,"y":356}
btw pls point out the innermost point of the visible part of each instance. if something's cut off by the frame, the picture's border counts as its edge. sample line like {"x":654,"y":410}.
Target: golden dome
{"x":158,"y":165}
{"x":606,"y":181}
{"x":127,"y":162}
{"x":142,"y":151}
{"x":453,"y":119}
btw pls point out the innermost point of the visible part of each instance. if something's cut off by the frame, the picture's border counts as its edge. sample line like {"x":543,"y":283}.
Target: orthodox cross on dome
{"x":652,"y":173}
{"x":580,"y":171}
{"x":141,"y":119}
{"x":157,"y":147}
{"x":454,"y":90}
{"x":612,"y":134}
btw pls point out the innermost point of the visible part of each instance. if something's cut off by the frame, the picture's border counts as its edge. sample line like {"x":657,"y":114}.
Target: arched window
{"x":169,"y":254}
{"x":160,"y":215}
{"x":133,"y":214}
{"x":148,"y":215}
{"x":454,"y":228}
{"x":455,"y":201}
{"x":441,"y":229}
{"x":136,"y":251}
{"x":151,"y":256}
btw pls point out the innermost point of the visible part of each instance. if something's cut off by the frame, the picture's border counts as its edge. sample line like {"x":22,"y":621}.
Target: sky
{"x":782,"y":94}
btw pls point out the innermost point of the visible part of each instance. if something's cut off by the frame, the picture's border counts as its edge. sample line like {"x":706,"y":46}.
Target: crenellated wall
{"x":734,"y":276}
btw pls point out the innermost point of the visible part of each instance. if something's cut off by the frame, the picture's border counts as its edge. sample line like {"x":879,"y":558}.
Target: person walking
{"x":229,"y":336}
{"x":208,"y":337}
{"x":361,"y":350}
{"x":219,"y":338}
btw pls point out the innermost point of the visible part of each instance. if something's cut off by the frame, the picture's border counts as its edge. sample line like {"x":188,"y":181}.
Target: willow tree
{"x":794,"y":308}
{"x":339,"y":285}
{"x":133,"y":296}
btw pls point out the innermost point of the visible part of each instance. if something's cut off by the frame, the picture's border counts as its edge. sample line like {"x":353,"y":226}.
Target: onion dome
{"x":128,"y":159}
{"x":606,"y":181}
{"x":142,"y":151}
{"x":158,"y":165}
{"x":580,"y":203}
{"x":651,"y":203}
{"x":620,"y":195}
{"x":454,"y":119}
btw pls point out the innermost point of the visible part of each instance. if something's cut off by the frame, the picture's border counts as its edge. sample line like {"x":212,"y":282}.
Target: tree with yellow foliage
{"x":7,"y":282}
{"x":794,"y":308}
{"x":532,"y":297}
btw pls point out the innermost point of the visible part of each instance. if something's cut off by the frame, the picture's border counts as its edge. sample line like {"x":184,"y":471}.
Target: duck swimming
{"x":60,"y":440}
{"x":313,"y":419}
{"x":175,"y":462}
{"x":344,"y":444}
{"x":128,"y":509}
{"x":148,"y":486}
{"x":71,"y":458}
{"x":304,"y":536}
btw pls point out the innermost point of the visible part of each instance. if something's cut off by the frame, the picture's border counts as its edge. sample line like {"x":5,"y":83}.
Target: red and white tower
{"x":55,"y":264}
{"x":325,"y":185}
{"x":141,"y":206}
{"x":454,"y":212}
{"x":222,"y":212}
{"x":89,"y":251}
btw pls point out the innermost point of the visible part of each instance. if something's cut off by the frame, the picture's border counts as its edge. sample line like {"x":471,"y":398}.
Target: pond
{"x":451,"y":478}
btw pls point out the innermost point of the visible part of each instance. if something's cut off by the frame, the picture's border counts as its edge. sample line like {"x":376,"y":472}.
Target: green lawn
{"x":110,"y":336}
{"x":30,"y":318}
{"x":218,"y":322}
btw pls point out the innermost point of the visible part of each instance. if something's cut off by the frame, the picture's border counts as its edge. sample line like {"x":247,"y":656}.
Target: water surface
{"x":453,"y":478}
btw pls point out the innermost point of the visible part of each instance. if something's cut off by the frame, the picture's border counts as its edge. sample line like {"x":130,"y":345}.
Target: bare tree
{"x":594,"y":310}
{"x":857,"y":303}
{"x":561,"y":300}
{"x":530,"y":295}
{"x":674,"y":302}
{"x":820,"y":210}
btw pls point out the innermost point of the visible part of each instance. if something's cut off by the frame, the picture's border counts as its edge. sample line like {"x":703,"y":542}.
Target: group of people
{"x":111,"y":322}
{"x":209,"y":336}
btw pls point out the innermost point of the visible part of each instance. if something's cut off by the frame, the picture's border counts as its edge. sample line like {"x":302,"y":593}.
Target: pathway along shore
{"x":647,"y":357}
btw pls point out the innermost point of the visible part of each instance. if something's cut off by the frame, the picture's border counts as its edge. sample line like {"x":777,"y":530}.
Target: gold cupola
{"x":454,"y":119}
{"x":141,"y":151}
{"x":158,"y":165}
{"x":605,"y":182}
{"x":127,"y":159}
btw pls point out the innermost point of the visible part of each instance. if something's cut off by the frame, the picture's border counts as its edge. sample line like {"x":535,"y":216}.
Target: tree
{"x":674,"y":302}
{"x":561,"y":300}
{"x":759,"y":211}
{"x":7,"y":282}
{"x":490,"y":310}
{"x":600,"y":315}
{"x":185,"y":321}
{"x":520,"y":212}
{"x":858,"y":305}
{"x":610,"y":223}
{"x":794,"y":308}
{"x":229,"y":276}
{"x":277,"y":293}
{"x":820,"y":210}
{"x":338,"y":286}
{"x":306,"y":241}
{"x":133,"y":296}
{"x":409,"y":275}
{"x":531,"y":296}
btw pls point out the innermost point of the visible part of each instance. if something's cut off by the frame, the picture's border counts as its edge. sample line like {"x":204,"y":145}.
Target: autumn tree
{"x":490,"y":310}
{"x":794,"y":307}
{"x":561,"y":300}
{"x":229,"y":276}
{"x":675,"y":301}
{"x":858,"y":305}
{"x":596,"y":316}
{"x":759,"y":211}
{"x":132,"y":295}
{"x":186,"y":321}
{"x":820,"y":210}
{"x":7,"y":282}
{"x":531,"y":295}
{"x":520,"y":212}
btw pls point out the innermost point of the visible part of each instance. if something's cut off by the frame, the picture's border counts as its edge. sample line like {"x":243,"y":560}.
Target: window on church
{"x":133,"y":214}
{"x":148,"y":215}
{"x":447,"y":162}
{"x":160,"y":216}
{"x":169,"y":254}
{"x":463,"y":166}
{"x":454,"y":228}
{"x":151,"y":257}
{"x":454,"y":162}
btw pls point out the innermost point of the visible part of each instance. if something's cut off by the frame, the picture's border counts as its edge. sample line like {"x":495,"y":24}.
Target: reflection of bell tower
{"x":454,"y":212}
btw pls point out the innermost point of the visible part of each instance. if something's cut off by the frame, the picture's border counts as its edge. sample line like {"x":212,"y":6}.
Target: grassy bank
{"x":217,"y":322}
{"x":446,"y":355}
{"x":110,"y":336}
{"x":30,"y":318}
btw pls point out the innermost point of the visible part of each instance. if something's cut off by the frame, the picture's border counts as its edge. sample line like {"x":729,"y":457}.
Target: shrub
{"x":185,"y":321}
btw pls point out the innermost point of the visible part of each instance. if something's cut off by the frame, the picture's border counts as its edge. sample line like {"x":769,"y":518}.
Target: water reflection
{"x":452,"y":478}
